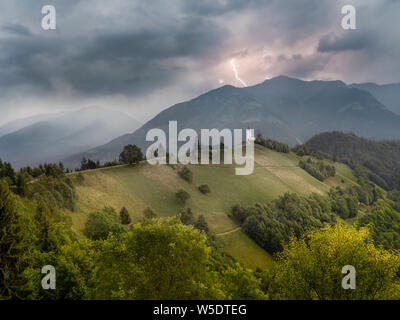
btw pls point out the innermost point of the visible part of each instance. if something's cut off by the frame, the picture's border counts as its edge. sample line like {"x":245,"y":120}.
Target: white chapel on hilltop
{"x":249,"y":135}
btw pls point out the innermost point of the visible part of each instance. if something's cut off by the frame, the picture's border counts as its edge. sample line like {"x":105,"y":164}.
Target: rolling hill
{"x":143,"y":185}
{"x":381,"y":158}
{"x":285,"y":109}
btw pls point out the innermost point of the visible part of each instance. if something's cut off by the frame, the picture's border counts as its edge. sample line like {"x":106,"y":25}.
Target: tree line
{"x":376,"y":160}
{"x":318,"y":169}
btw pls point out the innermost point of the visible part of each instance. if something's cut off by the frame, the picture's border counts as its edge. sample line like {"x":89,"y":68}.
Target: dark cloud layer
{"x":111,"y":61}
{"x":348,"y":41}
{"x":17,"y":29}
{"x":139,"y":49}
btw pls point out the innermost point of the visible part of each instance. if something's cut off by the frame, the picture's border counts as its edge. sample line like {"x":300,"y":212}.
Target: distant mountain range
{"x":282,"y":108}
{"x":50,"y":138}
{"x":18,"y":124}
{"x":388,"y":94}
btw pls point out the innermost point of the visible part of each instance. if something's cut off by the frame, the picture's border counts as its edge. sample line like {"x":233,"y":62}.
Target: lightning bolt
{"x":237,"y":74}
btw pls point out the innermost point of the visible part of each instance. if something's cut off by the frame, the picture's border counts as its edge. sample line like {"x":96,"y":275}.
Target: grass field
{"x":245,"y":250}
{"x":140,"y":186}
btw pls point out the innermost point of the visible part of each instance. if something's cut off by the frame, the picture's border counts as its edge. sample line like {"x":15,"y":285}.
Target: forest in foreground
{"x":311,"y":237}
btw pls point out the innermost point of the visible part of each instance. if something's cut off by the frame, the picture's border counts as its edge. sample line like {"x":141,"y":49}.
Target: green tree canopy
{"x":100,"y":223}
{"x":158,"y":259}
{"x":182,"y":196}
{"x":311,"y":267}
{"x":131,"y":154}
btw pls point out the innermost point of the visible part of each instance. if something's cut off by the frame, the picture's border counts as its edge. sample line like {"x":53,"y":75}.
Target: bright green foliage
{"x":241,"y":284}
{"x":158,"y":259}
{"x":72,"y":260}
{"x":311,"y":267}
{"x":100,"y":223}
{"x":384,"y":223}
{"x":54,"y":243}
{"x":131,"y":154}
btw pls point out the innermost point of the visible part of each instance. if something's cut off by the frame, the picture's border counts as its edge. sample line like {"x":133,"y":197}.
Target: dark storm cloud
{"x":348,"y":41}
{"x":301,"y":66}
{"x":217,"y":7}
{"x":23,"y":61}
{"x":122,"y":61}
{"x":133,"y":59}
{"x":17,"y":29}
{"x":138,"y":48}
{"x":133,"y":62}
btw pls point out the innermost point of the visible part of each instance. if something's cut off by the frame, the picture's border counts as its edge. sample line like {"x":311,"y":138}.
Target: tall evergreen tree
{"x":124,"y":215}
{"x":12,"y":248}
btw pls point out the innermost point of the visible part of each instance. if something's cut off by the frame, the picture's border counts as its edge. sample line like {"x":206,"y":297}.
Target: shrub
{"x":149,"y":214}
{"x":182,"y":196}
{"x":204,"y":189}
{"x":186,"y":216}
{"x":201,"y":224}
{"x":186,"y":174}
{"x":80,"y":178}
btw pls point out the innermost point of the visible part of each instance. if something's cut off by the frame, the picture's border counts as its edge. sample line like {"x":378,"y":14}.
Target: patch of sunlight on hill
{"x":245,"y":250}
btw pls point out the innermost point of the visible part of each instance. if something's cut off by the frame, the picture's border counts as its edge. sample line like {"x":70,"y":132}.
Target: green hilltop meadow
{"x":139,"y":186}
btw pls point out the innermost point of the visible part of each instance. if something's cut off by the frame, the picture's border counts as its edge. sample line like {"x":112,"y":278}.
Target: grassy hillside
{"x":143,"y":185}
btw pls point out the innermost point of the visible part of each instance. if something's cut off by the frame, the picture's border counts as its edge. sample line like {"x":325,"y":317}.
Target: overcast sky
{"x":141,"y":56}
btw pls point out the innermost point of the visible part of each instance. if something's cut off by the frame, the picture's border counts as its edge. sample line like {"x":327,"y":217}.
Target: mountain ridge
{"x":282,"y":108}
{"x":52,"y":139}
{"x":388,"y":94}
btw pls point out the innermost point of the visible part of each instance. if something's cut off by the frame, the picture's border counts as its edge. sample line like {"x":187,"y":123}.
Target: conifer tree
{"x":12,"y":248}
{"x":124,"y":215}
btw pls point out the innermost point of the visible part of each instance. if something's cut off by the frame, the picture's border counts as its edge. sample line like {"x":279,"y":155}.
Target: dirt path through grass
{"x":228,"y":232}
